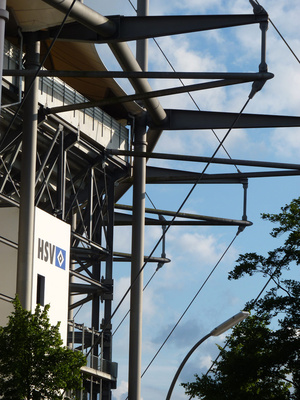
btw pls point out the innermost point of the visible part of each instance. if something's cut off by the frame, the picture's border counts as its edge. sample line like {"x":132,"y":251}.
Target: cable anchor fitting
{"x":256,"y":87}
{"x":163,"y":251}
{"x":257,"y":8}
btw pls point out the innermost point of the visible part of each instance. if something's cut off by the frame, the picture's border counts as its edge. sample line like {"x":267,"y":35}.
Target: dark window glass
{"x":40,"y":292}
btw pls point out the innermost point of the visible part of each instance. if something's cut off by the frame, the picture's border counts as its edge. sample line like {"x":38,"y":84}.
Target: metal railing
{"x":87,"y":339}
{"x":100,"y":364}
{"x":93,"y":121}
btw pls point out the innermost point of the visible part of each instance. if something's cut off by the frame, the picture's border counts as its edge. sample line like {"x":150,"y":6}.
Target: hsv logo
{"x":48,"y":252}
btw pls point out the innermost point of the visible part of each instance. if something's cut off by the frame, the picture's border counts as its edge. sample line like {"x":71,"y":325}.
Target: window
{"x":40,"y":291}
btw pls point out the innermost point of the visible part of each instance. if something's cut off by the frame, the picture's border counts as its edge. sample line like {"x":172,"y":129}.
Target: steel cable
{"x":175,"y":215}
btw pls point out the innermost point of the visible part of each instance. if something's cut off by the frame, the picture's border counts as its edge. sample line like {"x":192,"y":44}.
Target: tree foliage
{"x":259,"y":362}
{"x":33,"y":362}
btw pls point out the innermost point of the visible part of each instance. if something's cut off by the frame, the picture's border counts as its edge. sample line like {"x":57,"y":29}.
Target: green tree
{"x":33,"y":362}
{"x":259,"y":362}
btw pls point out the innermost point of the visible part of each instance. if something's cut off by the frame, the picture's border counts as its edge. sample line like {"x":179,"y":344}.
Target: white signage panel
{"x":51,"y":259}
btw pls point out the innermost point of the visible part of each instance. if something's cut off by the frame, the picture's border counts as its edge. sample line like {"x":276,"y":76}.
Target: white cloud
{"x":122,"y":239}
{"x":121,"y":392}
{"x":121,"y":286}
{"x":286,"y":143}
{"x":150,"y":307}
{"x":202,"y":249}
{"x":196,"y":6}
{"x":205,"y":361}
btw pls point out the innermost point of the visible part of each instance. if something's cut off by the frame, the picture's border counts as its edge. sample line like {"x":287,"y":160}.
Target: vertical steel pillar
{"x":28,"y":170}
{"x":94,"y":234}
{"x":142,"y":44}
{"x":61,"y":178}
{"x":136,"y":298}
{"x":107,"y":337}
{"x":3,"y":17}
{"x":138,"y":231}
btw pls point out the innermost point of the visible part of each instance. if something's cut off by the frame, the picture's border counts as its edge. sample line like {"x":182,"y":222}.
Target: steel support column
{"x":28,"y":169}
{"x":61,"y":178}
{"x":107,"y":342}
{"x":3,"y":18}
{"x":136,"y":298}
{"x":138,"y":230}
{"x":142,"y":44}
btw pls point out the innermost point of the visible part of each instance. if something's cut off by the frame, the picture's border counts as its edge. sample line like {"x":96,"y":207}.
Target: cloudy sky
{"x":195,"y":251}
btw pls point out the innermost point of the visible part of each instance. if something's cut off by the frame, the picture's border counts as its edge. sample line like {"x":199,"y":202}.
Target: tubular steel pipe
{"x":28,"y":168}
{"x":86,"y":16}
{"x":136,"y":295}
{"x":3,"y":17}
{"x":142,"y":44}
{"x":138,"y":235}
{"x":243,"y":76}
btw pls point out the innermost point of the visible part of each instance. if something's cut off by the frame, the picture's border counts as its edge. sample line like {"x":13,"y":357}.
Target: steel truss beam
{"x":190,"y":120}
{"x":187,"y":216}
{"x":243,"y":76}
{"x":201,"y":159}
{"x":159,"y":93}
{"x":167,"y":176}
{"x":125,"y":29}
{"x":126,"y":257}
{"x":126,"y":220}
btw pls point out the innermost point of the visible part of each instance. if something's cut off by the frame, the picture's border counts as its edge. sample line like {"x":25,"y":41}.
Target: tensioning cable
{"x":182,"y":204}
{"x":192,"y":301}
{"x":255,"y":88}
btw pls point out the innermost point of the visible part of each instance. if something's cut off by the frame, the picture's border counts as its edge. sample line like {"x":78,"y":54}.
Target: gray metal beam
{"x":127,"y":220}
{"x":168,"y":213}
{"x":82,"y":14}
{"x":182,"y":157}
{"x":165,"y":176}
{"x":48,"y":153}
{"x":132,"y":28}
{"x":156,"y":93}
{"x":126,"y":257}
{"x":83,"y":288}
{"x":159,"y":175}
{"x":244,"y":76}
{"x":91,"y":281}
{"x":260,"y":174}
{"x":9,"y":162}
{"x":89,"y":242}
{"x":141,"y":27}
{"x":189,"y":120}
{"x":80,"y":302}
{"x":168,"y":176}
{"x":4,"y":16}
{"x":87,"y":254}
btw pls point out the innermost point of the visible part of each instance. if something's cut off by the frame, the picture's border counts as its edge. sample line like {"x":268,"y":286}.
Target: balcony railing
{"x":82,"y":338}
{"x":99,"y":364}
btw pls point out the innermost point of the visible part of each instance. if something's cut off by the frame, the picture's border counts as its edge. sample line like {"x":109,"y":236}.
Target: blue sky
{"x":194,"y":251}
